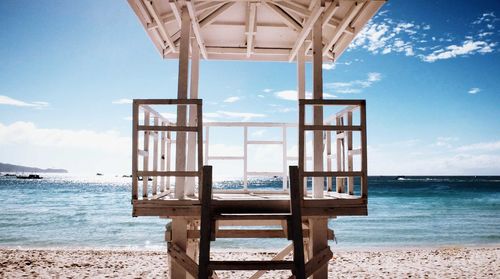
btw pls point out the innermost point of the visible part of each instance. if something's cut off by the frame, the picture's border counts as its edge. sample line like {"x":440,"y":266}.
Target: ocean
{"x":95,"y":212}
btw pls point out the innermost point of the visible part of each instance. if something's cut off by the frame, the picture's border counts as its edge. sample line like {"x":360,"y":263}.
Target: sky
{"x":429,"y":71}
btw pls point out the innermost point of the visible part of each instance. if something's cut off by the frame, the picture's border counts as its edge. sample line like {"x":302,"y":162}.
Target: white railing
{"x":246,"y":142}
{"x":160,"y":135}
{"x":341,"y":124}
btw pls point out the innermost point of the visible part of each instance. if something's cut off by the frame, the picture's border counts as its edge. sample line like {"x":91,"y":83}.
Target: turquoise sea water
{"x":63,"y":211}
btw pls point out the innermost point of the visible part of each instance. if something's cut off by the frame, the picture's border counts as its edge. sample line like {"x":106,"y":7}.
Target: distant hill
{"x":16,"y":168}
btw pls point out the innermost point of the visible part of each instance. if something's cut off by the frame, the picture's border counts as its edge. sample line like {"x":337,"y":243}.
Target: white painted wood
{"x":251,"y":27}
{"x":182,"y":93}
{"x":196,"y":28}
{"x":306,"y":30}
{"x":342,"y":26}
{"x":317,"y":110}
{"x":154,"y":189}
{"x":284,"y":159}
{"x":192,"y":137}
{"x":161,"y":27}
{"x":245,"y":156}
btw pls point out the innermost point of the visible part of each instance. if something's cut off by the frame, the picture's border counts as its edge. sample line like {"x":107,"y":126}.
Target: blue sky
{"x":428,"y":70}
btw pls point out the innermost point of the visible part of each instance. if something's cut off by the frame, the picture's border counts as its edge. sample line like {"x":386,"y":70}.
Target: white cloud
{"x":468,"y":47}
{"x":267,"y":90}
{"x":243,"y":116}
{"x":6,"y":100}
{"x":355,"y":86}
{"x":482,"y":146}
{"x":383,"y":35}
{"x":232,"y":99}
{"x":328,"y":66}
{"x":260,"y":96}
{"x":474,"y":90}
{"x":80,"y":151}
{"x":122,"y":101}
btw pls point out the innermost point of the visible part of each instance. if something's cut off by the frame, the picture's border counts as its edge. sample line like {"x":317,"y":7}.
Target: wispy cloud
{"x":22,"y":133}
{"x":468,"y":47}
{"x":243,"y":116}
{"x":122,"y":101}
{"x":383,"y":35}
{"x":474,"y":90}
{"x":292,"y":95}
{"x":232,"y":99}
{"x":482,"y":146}
{"x":267,"y":90}
{"x":8,"y":101}
{"x":355,"y":86}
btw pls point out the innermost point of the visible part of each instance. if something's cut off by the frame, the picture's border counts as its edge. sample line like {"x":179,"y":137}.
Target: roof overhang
{"x":256,"y":30}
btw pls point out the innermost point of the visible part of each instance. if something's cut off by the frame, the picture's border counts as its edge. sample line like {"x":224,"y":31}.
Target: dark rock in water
{"x":31,"y":176}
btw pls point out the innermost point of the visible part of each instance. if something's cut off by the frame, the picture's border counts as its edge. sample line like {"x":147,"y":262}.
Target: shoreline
{"x":402,"y":262}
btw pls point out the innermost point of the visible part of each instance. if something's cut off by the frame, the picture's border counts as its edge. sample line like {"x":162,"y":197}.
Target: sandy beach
{"x":444,"y":262}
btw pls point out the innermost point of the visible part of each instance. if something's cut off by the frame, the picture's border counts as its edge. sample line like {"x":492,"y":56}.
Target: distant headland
{"x":17,"y":168}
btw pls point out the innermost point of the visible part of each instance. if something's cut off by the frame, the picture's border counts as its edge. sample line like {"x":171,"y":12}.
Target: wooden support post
{"x":285,"y":160}
{"x":339,"y":140}
{"x":206,"y":223}
{"x":179,"y":239}
{"x":318,"y":226}
{"x":329,"y":179}
{"x":182,"y":88}
{"x":364,"y":155}
{"x":193,"y":94}
{"x":179,"y":225}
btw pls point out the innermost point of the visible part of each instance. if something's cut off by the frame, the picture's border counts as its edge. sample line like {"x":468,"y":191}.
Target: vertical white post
{"x":318,"y":182}
{"x":182,"y":88}
{"x":350,"y":167}
{"x":285,"y":160}
{"x":135,"y":144}
{"x":145,"y":160}
{"x":329,"y":180}
{"x":155,"y":157}
{"x":193,"y":94}
{"x":162,"y":158}
{"x":169,"y":158}
{"x":245,"y":158}
{"x":179,"y":225}
{"x":207,"y":143}
{"x":301,"y":92}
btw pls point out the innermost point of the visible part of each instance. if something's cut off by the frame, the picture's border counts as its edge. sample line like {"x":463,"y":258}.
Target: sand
{"x":444,"y":262}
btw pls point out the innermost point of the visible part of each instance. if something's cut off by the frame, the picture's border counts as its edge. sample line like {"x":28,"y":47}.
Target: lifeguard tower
{"x":170,"y":158}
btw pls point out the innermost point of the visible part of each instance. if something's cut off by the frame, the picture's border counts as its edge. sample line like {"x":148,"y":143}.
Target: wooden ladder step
{"x":251,"y":265}
{"x":260,"y":216}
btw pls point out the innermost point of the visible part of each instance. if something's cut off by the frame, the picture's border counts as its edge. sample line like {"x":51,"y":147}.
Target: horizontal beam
{"x":251,"y":265}
{"x":167,"y":128}
{"x":332,"y":128}
{"x":264,"y":142}
{"x":169,"y":173}
{"x":331,"y":173}
{"x":331,"y":102}
{"x":225,"y":158}
{"x":168,"y":101}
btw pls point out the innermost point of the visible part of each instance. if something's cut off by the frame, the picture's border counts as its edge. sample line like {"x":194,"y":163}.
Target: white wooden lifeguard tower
{"x":297,"y":31}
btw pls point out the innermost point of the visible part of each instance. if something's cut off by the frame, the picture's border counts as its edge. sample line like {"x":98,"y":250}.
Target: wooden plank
{"x":350,"y":163}
{"x":192,"y":138}
{"x":318,"y":182}
{"x":145,"y":160}
{"x":250,"y":265}
{"x":135,"y":147}
{"x":296,"y":198}
{"x":179,"y":238}
{"x":175,"y":12}
{"x":332,"y":173}
{"x":168,"y":128}
{"x":196,"y":28}
{"x":308,"y":26}
{"x":280,"y":256}
{"x":206,"y":223}
{"x":211,"y":17}
{"x":168,"y":173}
{"x":226,"y":158}
{"x":364,"y":155}
{"x":251,"y":26}
{"x":284,"y":158}
{"x":285,"y":17}
{"x":154,"y":188}
{"x":320,"y":127}
{"x":169,"y":101}
{"x":182,"y":93}
{"x":353,"y":11}
{"x":318,"y":261}
{"x":333,"y":102}
{"x":245,"y":157}
{"x":161,"y":28}
{"x":163,"y":143}
{"x":182,"y":259}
